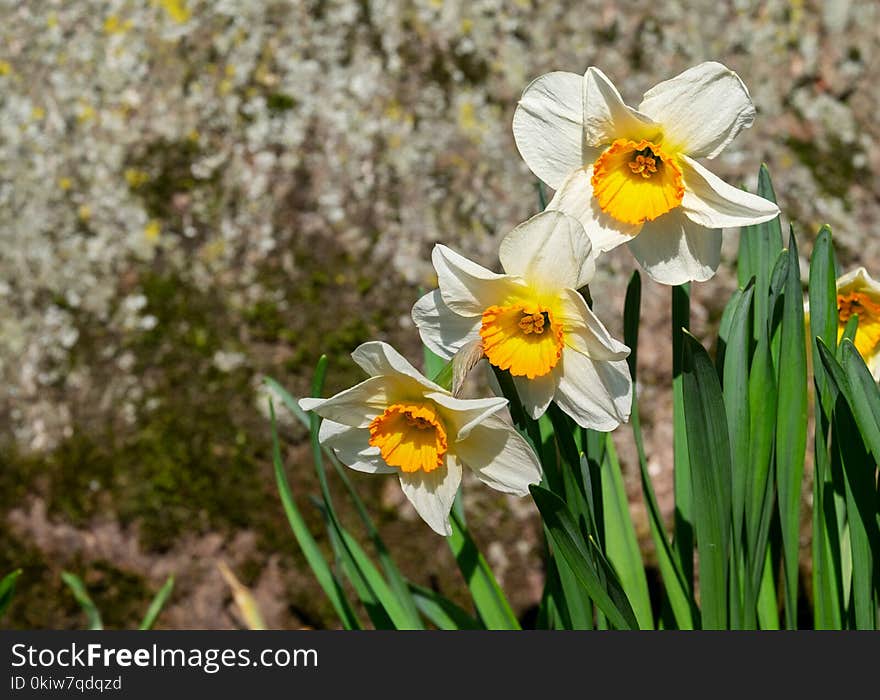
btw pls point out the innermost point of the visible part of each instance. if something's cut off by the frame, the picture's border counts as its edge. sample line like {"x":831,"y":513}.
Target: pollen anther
{"x":410,"y":437}
{"x":521,"y":338}
{"x":636,"y":181}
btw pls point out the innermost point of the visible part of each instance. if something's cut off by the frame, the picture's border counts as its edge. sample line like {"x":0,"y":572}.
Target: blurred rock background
{"x":195,"y":194}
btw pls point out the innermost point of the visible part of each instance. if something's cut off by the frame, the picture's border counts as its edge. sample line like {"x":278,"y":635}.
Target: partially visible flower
{"x":858,"y":293}
{"x":630,"y":176}
{"x":532,"y":322}
{"x":399,"y":422}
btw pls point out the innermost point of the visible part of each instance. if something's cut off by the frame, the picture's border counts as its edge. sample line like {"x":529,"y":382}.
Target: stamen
{"x":410,"y":437}
{"x":522,"y":339}
{"x":636,"y":181}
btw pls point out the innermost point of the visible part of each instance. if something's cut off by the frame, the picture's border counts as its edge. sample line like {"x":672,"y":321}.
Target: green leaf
{"x":759,"y":247}
{"x":396,"y":579}
{"x":384,"y":608}
{"x":315,"y":558}
{"x":601,"y":583}
{"x":684,"y":517}
{"x":77,"y":587}
{"x":157,"y":604}
{"x":621,"y":543}
{"x":861,"y":511}
{"x":826,"y":569}
{"x":736,"y":399}
{"x":709,"y":449}
{"x":489,"y":600}
{"x":768,"y":613}
{"x":726,"y":323}
{"x":863,"y":396}
{"x":679,"y":600}
{"x":441,"y":611}
{"x":823,"y":302}
{"x":434,"y":364}
{"x":399,"y":616}
{"x":849,"y":331}
{"x":736,"y":402}
{"x":832,"y":497}
{"x":542,"y":196}
{"x":827,"y":574}
{"x":759,"y":485}
{"x":791,"y":427}
{"x":7,"y":589}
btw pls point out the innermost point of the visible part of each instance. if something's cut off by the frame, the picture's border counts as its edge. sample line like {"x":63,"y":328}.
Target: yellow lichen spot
{"x":193,"y":136}
{"x":5,"y":68}
{"x":393,"y":111}
{"x":86,"y":112}
{"x":467,"y":25}
{"x":213,"y":250}
{"x":176,"y":10}
{"x":38,"y":113}
{"x":84,"y":212}
{"x":467,"y":116}
{"x":636,"y":182}
{"x":64,"y":183}
{"x":153,"y":230}
{"x":522,"y":338}
{"x":52,"y":20}
{"x":136,"y":178}
{"x":867,"y":337}
{"x":114,"y":25}
{"x":410,"y":437}
{"x":229,"y":70}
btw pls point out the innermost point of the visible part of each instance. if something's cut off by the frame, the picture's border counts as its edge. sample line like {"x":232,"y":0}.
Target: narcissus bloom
{"x":532,"y":322}
{"x":630,"y":176}
{"x":399,"y":422}
{"x":858,"y":293}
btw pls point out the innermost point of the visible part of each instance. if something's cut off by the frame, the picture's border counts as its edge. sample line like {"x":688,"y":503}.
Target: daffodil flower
{"x":858,"y":293}
{"x":532,"y":322}
{"x":630,"y":176}
{"x":399,"y":422}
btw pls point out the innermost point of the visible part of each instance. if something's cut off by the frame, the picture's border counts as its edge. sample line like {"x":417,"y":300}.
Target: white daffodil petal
{"x":536,"y":394}
{"x":468,"y":289}
{"x":354,"y":407}
{"x":606,"y":117}
{"x":858,"y":279}
{"x":380,"y":359}
{"x":576,"y":199}
{"x":584,"y":331}
{"x":595,"y":394}
{"x":432,"y":493}
{"x":551,"y":251}
{"x":500,"y":457}
{"x":352,"y":447}
{"x":711,"y":202}
{"x":444,"y":332}
{"x":548,"y":126}
{"x":701,"y":110}
{"x":674,"y":250}
{"x":461,"y":415}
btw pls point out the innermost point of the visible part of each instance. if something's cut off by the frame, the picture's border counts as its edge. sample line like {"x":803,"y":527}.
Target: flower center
{"x":867,"y":338}
{"x":410,"y":436}
{"x":636,"y":181}
{"x":522,"y":338}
